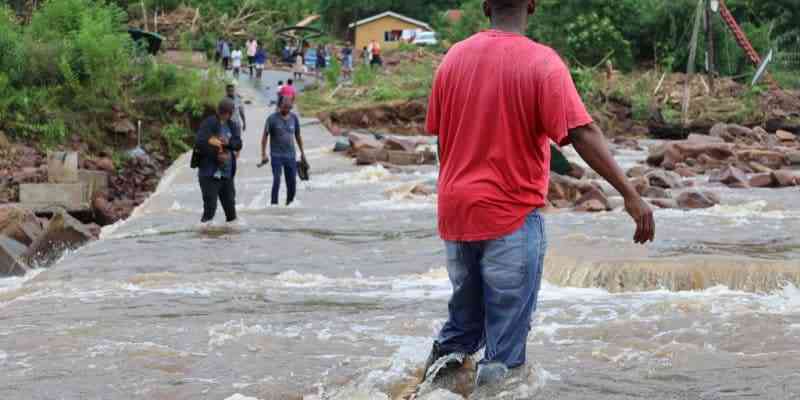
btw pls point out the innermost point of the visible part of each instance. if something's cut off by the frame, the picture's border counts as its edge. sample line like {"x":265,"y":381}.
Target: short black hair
{"x":226,"y":106}
{"x":230,"y":85}
{"x":280,"y":82}
{"x":290,"y":82}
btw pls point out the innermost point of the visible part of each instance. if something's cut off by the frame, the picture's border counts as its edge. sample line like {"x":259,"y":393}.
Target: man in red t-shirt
{"x":497,"y":102}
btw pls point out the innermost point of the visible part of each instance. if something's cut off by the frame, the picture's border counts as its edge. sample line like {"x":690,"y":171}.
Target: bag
{"x":195,"y":163}
{"x":303,"y":171}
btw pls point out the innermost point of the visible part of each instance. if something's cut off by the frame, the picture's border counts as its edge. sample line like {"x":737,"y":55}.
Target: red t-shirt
{"x":498,"y":100}
{"x":288,"y":91}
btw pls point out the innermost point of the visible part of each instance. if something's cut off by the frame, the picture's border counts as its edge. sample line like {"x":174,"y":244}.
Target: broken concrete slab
{"x":70,"y":196}
{"x":11,"y":257}
{"x":63,"y":233}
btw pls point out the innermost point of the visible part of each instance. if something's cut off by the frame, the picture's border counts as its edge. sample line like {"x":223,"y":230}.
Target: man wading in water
{"x":218,"y":141}
{"x":497,"y":100}
{"x":281,"y":132}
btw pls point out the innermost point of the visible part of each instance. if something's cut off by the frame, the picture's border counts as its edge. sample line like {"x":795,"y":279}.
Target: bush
{"x":12,"y":55}
{"x":333,"y":72}
{"x":364,"y":75}
{"x":176,"y":136}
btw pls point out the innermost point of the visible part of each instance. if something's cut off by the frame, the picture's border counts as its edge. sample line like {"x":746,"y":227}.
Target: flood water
{"x":338,"y":297}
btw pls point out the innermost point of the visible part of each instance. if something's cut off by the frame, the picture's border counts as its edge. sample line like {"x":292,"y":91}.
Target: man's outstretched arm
{"x":590,"y":143}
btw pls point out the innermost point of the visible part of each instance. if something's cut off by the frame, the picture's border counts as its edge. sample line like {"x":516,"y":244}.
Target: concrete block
{"x":11,"y":253}
{"x":70,"y":196}
{"x":94,"y":181}
{"x":62,"y":167}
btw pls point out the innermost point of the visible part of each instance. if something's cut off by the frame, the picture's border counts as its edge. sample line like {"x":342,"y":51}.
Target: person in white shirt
{"x":236,"y":58}
{"x":252,"y":49}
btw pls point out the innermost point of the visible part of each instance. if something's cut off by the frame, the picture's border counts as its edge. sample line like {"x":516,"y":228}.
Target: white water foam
{"x":363,"y":176}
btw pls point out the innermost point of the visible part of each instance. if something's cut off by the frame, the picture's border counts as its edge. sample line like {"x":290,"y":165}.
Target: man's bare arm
{"x":591,"y":145}
{"x":264,"y":142}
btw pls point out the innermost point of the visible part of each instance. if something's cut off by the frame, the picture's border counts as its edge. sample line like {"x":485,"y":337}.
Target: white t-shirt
{"x":252,"y":47}
{"x":236,"y":56}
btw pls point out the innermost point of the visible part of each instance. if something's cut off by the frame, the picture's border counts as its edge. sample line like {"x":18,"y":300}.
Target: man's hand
{"x":223,"y":157}
{"x":643,"y":217}
{"x":591,"y":145}
{"x":216,"y":142}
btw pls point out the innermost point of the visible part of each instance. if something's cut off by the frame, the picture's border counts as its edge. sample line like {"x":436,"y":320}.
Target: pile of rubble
{"x":402,"y":118}
{"x":28,"y":240}
{"x":390,"y":151}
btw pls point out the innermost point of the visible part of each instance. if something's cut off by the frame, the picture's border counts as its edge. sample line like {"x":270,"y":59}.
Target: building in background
{"x":388,"y":28}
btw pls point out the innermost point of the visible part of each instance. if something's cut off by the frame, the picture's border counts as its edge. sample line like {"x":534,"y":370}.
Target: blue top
{"x":261,"y":56}
{"x":281,"y":133}
{"x":225,"y":169}
{"x":226,"y":49}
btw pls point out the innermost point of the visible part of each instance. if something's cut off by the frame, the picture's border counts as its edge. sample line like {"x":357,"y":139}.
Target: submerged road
{"x":338,"y":296}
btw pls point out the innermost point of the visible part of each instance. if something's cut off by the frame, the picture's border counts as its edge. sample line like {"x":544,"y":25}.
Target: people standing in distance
{"x":217,"y":142}
{"x":494,"y":177}
{"x":281,"y":133}
{"x":252,"y":49}
{"x":226,"y":55}
{"x":375,"y":53}
{"x":238,"y":113}
{"x":236,"y":59}
{"x":276,"y":98}
{"x":261,"y":60}
{"x":347,"y":61}
{"x":299,"y":67}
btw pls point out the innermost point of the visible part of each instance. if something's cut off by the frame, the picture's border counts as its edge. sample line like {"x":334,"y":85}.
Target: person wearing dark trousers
{"x":217,"y":143}
{"x":281,"y":132}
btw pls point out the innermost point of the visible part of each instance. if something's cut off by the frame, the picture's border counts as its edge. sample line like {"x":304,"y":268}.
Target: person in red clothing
{"x":498,"y":100}
{"x":288,"y":89}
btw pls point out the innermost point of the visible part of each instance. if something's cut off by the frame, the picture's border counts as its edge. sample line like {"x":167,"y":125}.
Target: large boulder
{"x":768,"y":158}
{"x":593,"y":199}
{"x":11,"y":257}
{"x":671,"y":154}
{"x":405,"y":158}
{"x":19,"y":224}
{"x":731,"y":176}
{"x":785,"y":136}
{"x":360,"y":141}
{"x":694,"y":199}
{"x":637,"y":171}
{"x":793,"y":158}
{"x":400,"y":144}
{"x":342,"y":145}
{"x":63,"y":233}
{"x":762,"y":180}
{"x":664,"y":179}
{"x":564,"y":189}
{"x":654,"y":192}
{"x":664,"y":203}
{"x":784,"y":178}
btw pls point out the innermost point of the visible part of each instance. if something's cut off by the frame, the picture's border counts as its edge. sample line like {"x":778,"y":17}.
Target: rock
{"x":405,"y":158}
{"x":103,"y":210}
{"x":592,"y":194}
{"x":399,"y":144}
{"x":670,"y":154}
{"x":664,"y":203}
{"x":695,"y":200}
{"x":762,"y":180}
{"x":793,"y":158}
{"x":95,"y":229}
{"x":655,"y":193}
{"x":342,"y":145}
{"x":25,"y":175}
{"x":576,"y":171}
{"x":740,"y":132}
{"x":731,"y":177}
{"x":440,"y":394}
{"x":69,"y":196}
{"x":423,"y":190}
{"x":664,"y":179}
{"x":564,"y":188}
{"x":685,"y":172}
{"x":759,"y":168}
{"x":720,"y":130}
{"x":360,"y":141}
{"x":637,"y":171}
{"x":11,"y":257}
{"x":641,"y":185}
{"x":769,"y":158}
{"x":367,"y":156}
{"x":561,"y":204}
{"x":784,"y":178}
{"x":697,"y":138}
{"x":19,"y":224}
{"x":591,"y":205}
{"x":5,"y":144}
{"x":785,"y":136}
{"x":105,"y":164}
{"x":63,"y":233}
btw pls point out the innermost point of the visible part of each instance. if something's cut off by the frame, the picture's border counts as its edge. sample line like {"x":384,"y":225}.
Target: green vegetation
{"x":74,"y":67}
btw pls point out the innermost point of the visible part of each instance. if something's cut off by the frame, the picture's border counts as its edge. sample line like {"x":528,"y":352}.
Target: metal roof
{"x":391,"y":14}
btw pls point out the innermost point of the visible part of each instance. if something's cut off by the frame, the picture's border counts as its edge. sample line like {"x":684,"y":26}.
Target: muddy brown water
{"x":338,"y":297}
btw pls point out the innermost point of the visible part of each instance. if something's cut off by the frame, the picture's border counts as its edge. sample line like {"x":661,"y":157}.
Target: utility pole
{"x":710,"y":50}
{"x":687,"y":91}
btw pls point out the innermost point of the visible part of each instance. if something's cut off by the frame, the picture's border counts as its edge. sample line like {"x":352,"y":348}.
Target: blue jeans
{"x":288,"y":166}
{"x":495,"y":288}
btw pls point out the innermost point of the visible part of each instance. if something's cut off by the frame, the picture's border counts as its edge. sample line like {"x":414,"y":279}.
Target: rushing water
{"x":338,"y":297}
